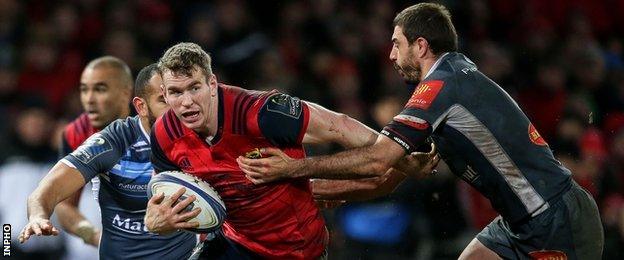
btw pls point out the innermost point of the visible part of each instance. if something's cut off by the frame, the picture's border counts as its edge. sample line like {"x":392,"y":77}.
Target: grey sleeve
{"x":100,"y":152}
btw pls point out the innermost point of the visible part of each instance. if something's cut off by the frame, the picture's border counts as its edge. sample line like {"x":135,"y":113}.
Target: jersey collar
{"x":436,"y":64}
{"x":147,"y":137}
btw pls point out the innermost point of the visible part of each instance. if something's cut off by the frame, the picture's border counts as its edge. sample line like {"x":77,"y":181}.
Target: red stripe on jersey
{"x":236,"y":108}
{"x":241,"y":113}
{"x":167,"y":127}
{"x":412,"y":121}
{"x":174,"y":124}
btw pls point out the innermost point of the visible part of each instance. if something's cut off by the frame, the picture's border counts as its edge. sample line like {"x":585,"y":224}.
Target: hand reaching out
{"x":37,"y":226}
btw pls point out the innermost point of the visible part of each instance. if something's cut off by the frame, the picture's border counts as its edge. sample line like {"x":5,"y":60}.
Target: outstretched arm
{"x":374,"y":159}
{"x":72,"y":220}
{"x":356,"y":190}
{"x":368,"y":161}
{"x":57,"y":185}
{"x":370,"y":188}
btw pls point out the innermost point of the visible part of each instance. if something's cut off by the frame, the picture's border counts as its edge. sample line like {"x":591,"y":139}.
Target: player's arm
{"x":69,"y":216}
{"x":98,"y":154}
{"x":424,"y":112}
{"x":356,"y":190}
{"x":327,"y":126}
{"x":161,"y":215}
{"x":57,"y":185}
{"x":71,"y":220}
{"x":370,"y":188}
{"x":323,"y":126}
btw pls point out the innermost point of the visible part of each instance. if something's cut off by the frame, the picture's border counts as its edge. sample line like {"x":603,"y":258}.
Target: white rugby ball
{"x":212,"y":213}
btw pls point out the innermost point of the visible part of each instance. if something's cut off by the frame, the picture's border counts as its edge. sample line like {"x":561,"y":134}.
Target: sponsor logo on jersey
{"x":412,"y":121}
{"x":286,"y":105}
{"x":91,"y":148}
{"x":132,"y":187}
{"x":424,"y":94}
{"x":129,"y":226}
{"x":535,"y":137}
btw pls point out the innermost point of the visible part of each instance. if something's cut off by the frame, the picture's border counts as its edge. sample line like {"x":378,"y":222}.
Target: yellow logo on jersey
{"x":254,"y":154}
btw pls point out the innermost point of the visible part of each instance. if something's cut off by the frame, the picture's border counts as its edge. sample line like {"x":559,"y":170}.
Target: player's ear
{"x":140,"y":106}
{"x":212,"y":80}
{"x":422,"y":47}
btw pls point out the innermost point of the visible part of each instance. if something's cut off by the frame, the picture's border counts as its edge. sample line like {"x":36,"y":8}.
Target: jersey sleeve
{"x":160,"y":162}
{"x":100,"y":152}
{"x":283,"y":119}
{"x":422,"y":114}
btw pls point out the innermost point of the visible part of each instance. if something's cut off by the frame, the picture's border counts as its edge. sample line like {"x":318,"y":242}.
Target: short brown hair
{"x":182,"y":58}
{"x":430,"y":21}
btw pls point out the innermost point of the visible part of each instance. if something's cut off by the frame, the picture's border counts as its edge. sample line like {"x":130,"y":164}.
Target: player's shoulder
{"x":168,"y":128}
{"x":127,"y":128}
{"x":244,"y":106}
{"x":80,"y":125}
{"x":454,"y":66}
{"x":78,"y":130}
{"x":244,"y":99}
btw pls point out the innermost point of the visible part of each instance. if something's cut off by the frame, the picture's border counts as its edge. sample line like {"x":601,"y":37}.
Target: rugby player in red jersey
{"x":210,"y":125}
{"x":105,"y":93}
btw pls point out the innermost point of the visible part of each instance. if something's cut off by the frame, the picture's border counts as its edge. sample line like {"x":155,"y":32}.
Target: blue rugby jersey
{"x":119,"y":156}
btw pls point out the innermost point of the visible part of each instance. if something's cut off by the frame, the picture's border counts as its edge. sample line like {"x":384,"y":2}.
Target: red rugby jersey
{"x":278,"y":220}
{"x":75,"y":133}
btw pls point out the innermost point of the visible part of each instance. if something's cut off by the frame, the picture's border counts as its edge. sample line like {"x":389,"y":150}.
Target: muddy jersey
{"x":483,"y":136}
{"x":119,"y":156}
{"x":277,"y":220}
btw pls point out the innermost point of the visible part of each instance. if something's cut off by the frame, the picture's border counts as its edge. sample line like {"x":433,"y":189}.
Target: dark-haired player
{"x":119,"y":156}
{"x":482,"y":135}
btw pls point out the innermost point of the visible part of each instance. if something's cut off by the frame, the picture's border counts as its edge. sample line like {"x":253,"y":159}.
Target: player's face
{"x":156,"y":105}
{"x":404,"y":58}
{"x":103,"y":95}
{"x":189,"y":97}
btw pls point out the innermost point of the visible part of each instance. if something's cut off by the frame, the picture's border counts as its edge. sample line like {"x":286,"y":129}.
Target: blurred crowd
{"x":562,"y":61}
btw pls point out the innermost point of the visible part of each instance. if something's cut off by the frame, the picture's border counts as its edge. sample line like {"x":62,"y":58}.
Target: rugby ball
{"x":212,"y":213}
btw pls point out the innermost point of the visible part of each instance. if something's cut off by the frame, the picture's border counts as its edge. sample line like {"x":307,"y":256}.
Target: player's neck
{"x":213,"y":118}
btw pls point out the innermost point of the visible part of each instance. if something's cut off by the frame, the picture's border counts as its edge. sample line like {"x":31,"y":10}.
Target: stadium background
{"x":563,"y":62}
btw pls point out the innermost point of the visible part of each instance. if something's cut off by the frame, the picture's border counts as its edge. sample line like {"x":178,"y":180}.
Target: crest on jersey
{"x":185,"y":164}
{"x":424,"y":94}
{"x":91,"y":148}
{"x":535,"y":137}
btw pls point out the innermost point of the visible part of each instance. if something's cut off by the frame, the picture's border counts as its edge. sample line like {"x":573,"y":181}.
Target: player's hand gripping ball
{"x":213,"y":210}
